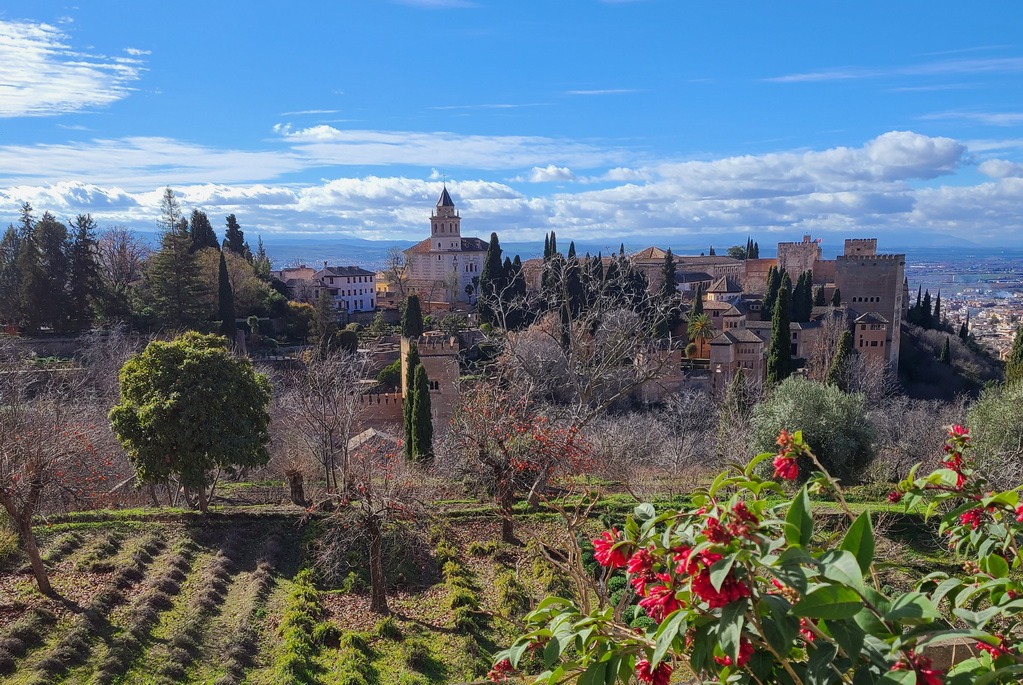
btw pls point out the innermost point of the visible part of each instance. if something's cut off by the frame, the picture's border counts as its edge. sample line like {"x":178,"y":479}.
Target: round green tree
{"x":188,"y":407}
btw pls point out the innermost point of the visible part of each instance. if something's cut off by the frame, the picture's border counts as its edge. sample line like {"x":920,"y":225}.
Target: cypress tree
{"x":261,"y":262}
{"x":422,"y":422}
{"x":234,"y":237}
{"x":225,"y":302}
{"x":493,"y":279}
{"x":836,"y":299}
{"x":697,"y":308}
{"x":818,"y":297}
{"x":779,"y":355}
{"x":668,"y":273}
{"x":711,"y":253}
{"x":412,"y":362}
{"x":412,"y":318}
{"x":546,"y":246}
{"x":838,"y":372}
{"x":945,"y":356}
{"x":571,"y":249}
{"x":1014,"y":364}
{"x":574,"y":293}
{"x":936,"y":317}
{"x":324,"y":322}
{"x":554,"y":244}
{"x":756,"y":250}
{"x":926,"y":312}
{"x":964,"y":330}
{"x":773,"y":283}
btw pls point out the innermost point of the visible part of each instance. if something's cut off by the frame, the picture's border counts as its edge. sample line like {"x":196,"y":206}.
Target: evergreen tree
{"x":175,"y":287}
{"x":802,"y":300}
{"x":818,"y":297}
{"x":201,"y":231}
{"x":779,"y":354}
{"x":234,"y":237}
{"x":85,"y":285}
{"x":412,"y":362}
{"x":412,"y":318}
{"x":936,"y":316}
{"x":10,"y":280}
{"x":836,"y":299}
{"x":44,"y":271}
{"x":324,"y":322}
{"x":1014,"y":363}
{"x":554,"y":244}
{"x":575,"y":295}
{"x":422,"y":422}
{"x":493,"y":279}
{"x":260,"y":262}
{"x":925,"y":315}
{"x":546,"y":246}
{"x":225,"y":302}
{"x":774,"y":275}
{"x":964,"y":330}
{"x":945,"y":356}
{"x":711,"y":253}
{"x":668,"y":273}
{"x":697,"y":308}
{"x":756,"y":250}
{"x":571,"y":249}
{"x":838,"y":372}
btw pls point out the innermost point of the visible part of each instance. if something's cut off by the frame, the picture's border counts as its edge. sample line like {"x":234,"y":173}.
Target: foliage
{"x":739,"y":590}
{"x":412,"y":318}
{"x":390,"y":375}
{"x":187,"y":407}
{"x":838,"y":372}
{"x":175,"y":287}
{"x":996,"y":420}
{"x":300,"y":621}
{"x":779,"y":351}
{"x":834,"y":424}
{"x":1014,"y":363}
{"x":225,"y":302}
{"x":420,"y":435}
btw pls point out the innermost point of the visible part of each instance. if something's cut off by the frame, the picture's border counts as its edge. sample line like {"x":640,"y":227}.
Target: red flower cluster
{"x":604,"y":550}
{"x":659,"y":675}
{"x":501,"y":670}
{"x":641,"y":568}
{"x":660,"y":600}
{"x":745,"y":652}
{"x":995,"y":650}
{"x":958,"y":440}
{"x":894,"y":496}
{"x":699,"y":567}
{"x":921,"y":665}
{"x":785,"y":461}
{"x":971,"y":517}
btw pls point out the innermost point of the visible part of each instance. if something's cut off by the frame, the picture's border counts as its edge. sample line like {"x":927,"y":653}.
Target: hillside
{"x":924,"y":377}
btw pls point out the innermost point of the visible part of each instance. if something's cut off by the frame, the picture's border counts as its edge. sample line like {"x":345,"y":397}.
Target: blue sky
{"x":674,"y":122}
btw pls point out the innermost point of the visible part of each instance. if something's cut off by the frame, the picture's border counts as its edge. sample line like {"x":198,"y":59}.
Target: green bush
{"x":512,"y":597}
{"x":615,"y":583}
{"x":416,"y":654}
{"x":834,"y":425}
{"x":388,"y":629}
{"x":482,"y":549}
{"x":390,"y":375}
{"x":996,"y":429}
{"x":462,"y":597}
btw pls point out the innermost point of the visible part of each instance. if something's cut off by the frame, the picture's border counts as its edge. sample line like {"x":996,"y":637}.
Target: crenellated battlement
{"x":433,"y":344}
{"x":381,"y":398}
{"x":886,"y":258}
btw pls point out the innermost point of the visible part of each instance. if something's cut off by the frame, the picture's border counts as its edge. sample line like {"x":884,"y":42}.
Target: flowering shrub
{"x":741,"y":591}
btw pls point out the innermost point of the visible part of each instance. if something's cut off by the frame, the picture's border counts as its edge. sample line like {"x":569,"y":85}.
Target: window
{"x":873,"y":343}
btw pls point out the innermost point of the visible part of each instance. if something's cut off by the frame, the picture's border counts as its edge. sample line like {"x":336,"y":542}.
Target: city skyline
{"x":628,"y":119}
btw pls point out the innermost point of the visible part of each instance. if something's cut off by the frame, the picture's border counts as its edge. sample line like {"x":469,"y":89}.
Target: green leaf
{"x":594,"y":675}
{"x":912,"y":607}
{"x":720,"y":569}
{"x":730,"y":628}
{"x":995,"y":565}
{"x":847,"y":634}
{"x":842,"y":567}
{"x":829,"y":601}
{"x":798,"y":522}
{"x":779,"y":626}
{"x":516,"y":651}
{"x":818,"y":669}
{"x":748,"y":471}
{"x":859,"y":540}
{"x":665,"y":634}
{"x":898,"y":678}
{"x":645,"y":511}
{"x":551,"y":652}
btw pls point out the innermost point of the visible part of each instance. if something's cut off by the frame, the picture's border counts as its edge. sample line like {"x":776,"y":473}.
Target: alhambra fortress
{"x":443,"y":268}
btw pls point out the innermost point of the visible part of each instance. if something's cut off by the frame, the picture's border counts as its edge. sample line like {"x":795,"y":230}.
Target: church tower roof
{"x":445,"y":200}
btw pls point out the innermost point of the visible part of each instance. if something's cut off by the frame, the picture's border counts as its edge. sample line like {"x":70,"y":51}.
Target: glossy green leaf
{"x":665,"y":634}
{"x":859,"y":540}
{"x":829,"y":601}
{"x":798,"y":522}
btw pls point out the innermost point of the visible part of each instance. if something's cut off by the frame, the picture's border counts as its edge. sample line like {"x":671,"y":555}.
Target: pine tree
{"x":936,"y":316}
{"x":926,"y":311}
{"x":1014,"y":363}
{"x":44,"y":271}
{"x":85,"y":285}
{"x":234,"y":237}
{"x":260,"y":262}
{"x":838,"y":372}
{"x":412,"y":318}
{"x":422,"y":422}
{"x":201,"y":231}
{"x":945,"y":356}
{"x":771,"y":294}
{"x":836,"y":299}
{"x":10,"y":280}
{"x":779,"y":355}
{"x":493,"y":280}
{"x":175,"y":287}
{"x":225,"y":302}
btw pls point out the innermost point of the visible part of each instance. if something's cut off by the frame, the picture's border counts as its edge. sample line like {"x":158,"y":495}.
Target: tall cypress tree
{"x":324,"y":322}
{"x":697,"y":308}
{"x":571,"y":249}
{"x":925,"y":312}
{"x":1014,"y":364}
{"x":234,"y":237}
{"x":964,"y":329}
{"x":412,"y":362}
{"x":422,"y":421}
{"x":493,"y":280}
{"x":818,"y":297}
{"x":836,"y":299}
{"x":225,"y":302}
{"x":554,"y":244}
{"x":838,"y":372}
{"x":756,"y":250}
{"x":668,"y":272}
{"x":945,"y":356}
{"x":412,"y":318}
{"x":546,"y":246}
{"x":779,"y":353}
{"x":936,"y":316}
{"x":771,"y":294}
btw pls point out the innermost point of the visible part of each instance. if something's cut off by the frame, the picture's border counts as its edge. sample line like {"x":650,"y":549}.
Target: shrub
{"x":512,"y":597}
{"x":388,"y":629}
{"x":834,"y":425}
{"x":996,"y":423}
{"x":416,"y":654}
{"x":456,"y":573}
{"x":462,"y":597}
{"x":482,"y":549}
{"x":616,"y":582}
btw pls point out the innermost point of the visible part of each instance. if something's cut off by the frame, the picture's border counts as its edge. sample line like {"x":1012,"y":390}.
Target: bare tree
{"x":39,"y":434}
{"x":321,"y":405}
{"x":122,"y":257}
{"x":824,"y":346}
{"x":396,"y":269}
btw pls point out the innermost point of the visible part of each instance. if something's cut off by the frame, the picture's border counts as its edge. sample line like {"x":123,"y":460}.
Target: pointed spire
{"x":445,"y":199}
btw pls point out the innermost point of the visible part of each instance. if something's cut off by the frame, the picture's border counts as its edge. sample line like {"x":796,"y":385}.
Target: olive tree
{"x":996,"y":421}
{"x":187,"y":408}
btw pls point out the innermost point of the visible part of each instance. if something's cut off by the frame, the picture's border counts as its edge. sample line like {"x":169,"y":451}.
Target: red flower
{"x":501,"y":670}
{"x":660,"y":600}
{"x":995,"y":650}
{"x":641,"y":566}
{"x":731,"y":590}
{"x":605,"y":552}
{"x":659,"y":675}
{"x":1019,"y":513}
{"x":894,"y":496}
{"x":971,"y":518}
{"x":804,"y":630}
{"x":958,"y":431}
{"x":925,"y":675}
{"x":745,"y":652}
{"x":785,"y":467}
{"x":715,"y":532}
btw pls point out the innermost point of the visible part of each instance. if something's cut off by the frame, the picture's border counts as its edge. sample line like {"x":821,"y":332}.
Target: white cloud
{"x":1000,"y":168}
{"x":603,"y":91}
{"x":41,"y":75}
{"x":547,"y":174}
{"x":1001,"y":65}
{"x":987,"y":118}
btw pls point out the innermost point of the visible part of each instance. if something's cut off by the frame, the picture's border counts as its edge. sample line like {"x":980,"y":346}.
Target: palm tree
{"x":700,"y":331}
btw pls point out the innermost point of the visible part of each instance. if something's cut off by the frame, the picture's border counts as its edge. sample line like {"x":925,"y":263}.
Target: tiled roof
{"x":445,"y":200}
{"x":468,"y":245}
{"x":343,"y":271}
{"x":723,"y":284}
{"x":691,"y":277}
{"x":871,"y":317}
{"x":649,"y":253}
{"x":736,"y":335}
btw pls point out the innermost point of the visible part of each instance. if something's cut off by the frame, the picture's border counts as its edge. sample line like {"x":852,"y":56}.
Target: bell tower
{"x":445,"y":225}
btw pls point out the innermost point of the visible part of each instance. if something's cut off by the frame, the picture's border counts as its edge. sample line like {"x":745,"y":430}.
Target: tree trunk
{"x":203,"y":504}
{"x":297,"y":487}
{"x":505,"y":500}
{"x":28,"y":541}
{"x":378,"y":602}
